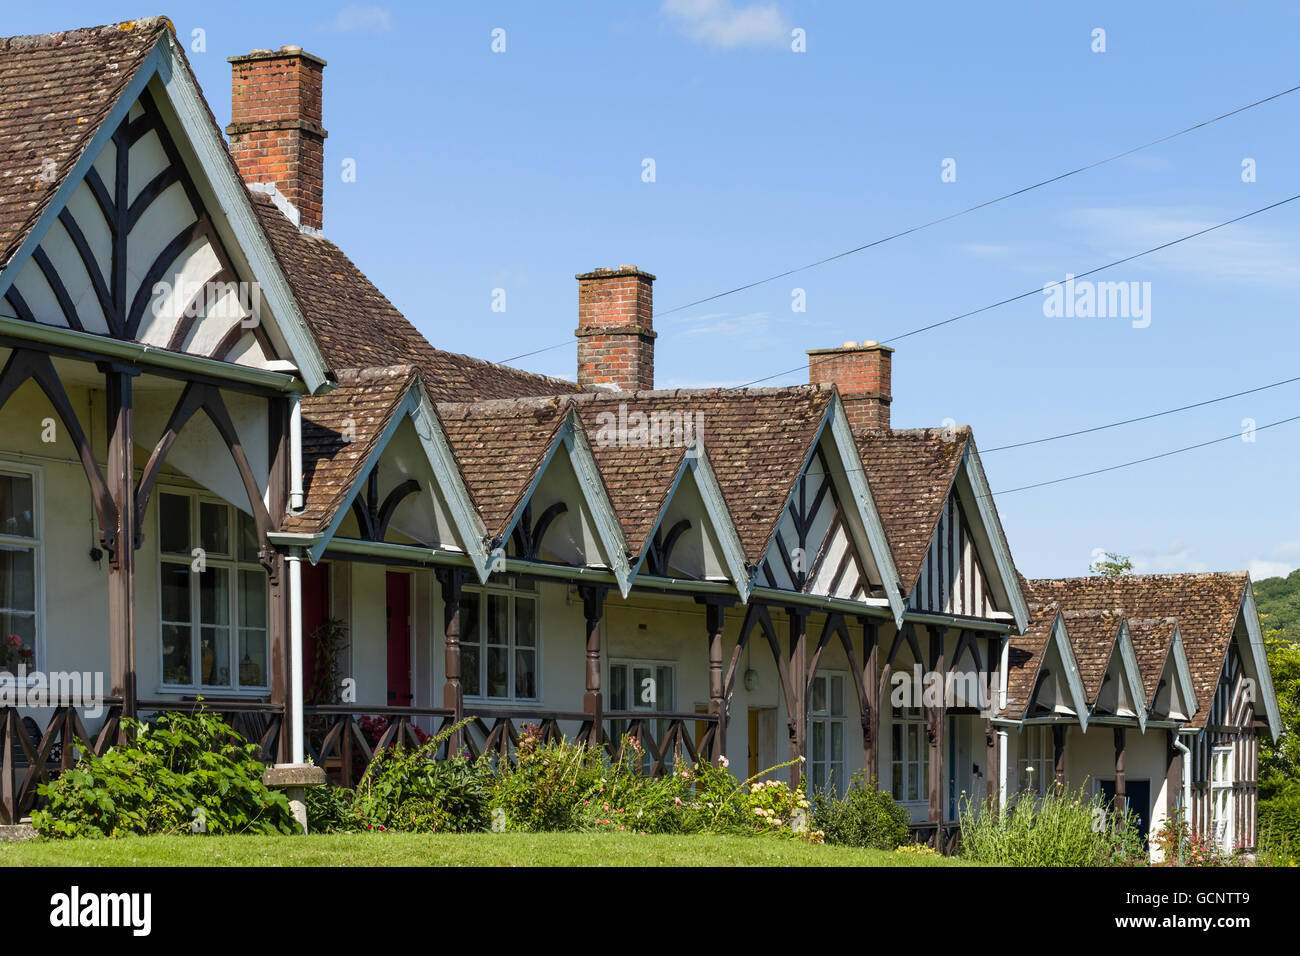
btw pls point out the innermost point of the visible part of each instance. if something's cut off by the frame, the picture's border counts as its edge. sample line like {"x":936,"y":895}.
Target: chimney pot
{"x":862,"y":374}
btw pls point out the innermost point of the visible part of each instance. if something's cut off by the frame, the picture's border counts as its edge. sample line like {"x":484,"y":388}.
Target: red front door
{"x":399,"y":639}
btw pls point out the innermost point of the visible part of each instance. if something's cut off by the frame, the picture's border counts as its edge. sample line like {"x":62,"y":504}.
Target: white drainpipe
{"x":294,"y":561}
{"x":1003,"y":668}
{"x":295,"y":455}
{"x":1002,"y":770}
{"x":1183,"y":749}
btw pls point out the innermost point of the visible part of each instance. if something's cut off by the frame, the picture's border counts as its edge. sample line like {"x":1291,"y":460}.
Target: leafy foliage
{"x":408,"y":790}
{"x":1058,"y":829}
{"x":1110,"y":563}
{"x":184,"y":773}
{"x":1278,"y":600}
{"x":1279,"y":825}
{"x":866,"y":817}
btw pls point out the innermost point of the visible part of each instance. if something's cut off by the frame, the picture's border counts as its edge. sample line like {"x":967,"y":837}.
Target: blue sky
{"x":479,"y":170}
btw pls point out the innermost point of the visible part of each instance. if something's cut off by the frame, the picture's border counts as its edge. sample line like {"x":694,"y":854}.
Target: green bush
{"x":1059,"y":829}
{"x":183,"y":774}
{"x":866,"y":816}
{"x":545,"y":787}
{"x":408,"y":790}
{"x":332,"y":809}
{"x":1279,"y":825}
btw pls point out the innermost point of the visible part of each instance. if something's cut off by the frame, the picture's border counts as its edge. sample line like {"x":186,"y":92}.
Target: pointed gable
{"x":944,"y":531}
{"x":1043,"y":678}
{"x":56,"y":90}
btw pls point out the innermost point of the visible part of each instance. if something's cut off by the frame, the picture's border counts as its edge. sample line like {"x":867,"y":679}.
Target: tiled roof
{"x":757,"y":441}
{"x":1092,"y":635}
{"x":56,"y":90}
{"x":356,"y":326}
{"x":1152,"y":639}
{"x":499,"y":447}
{"x":910,"y":472}
{"x":339,"y":432}
{"x":1205,"y":606}
{"x":1025,"y":657}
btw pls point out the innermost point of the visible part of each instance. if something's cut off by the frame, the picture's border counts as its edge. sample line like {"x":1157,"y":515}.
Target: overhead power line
{"x":1140,"y":418}
{"x":942,"y":219}
{"x":1041,"y":289}
{"x":1140,"y":461}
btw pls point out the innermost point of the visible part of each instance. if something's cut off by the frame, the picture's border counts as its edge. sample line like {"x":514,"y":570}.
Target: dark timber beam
{"x":871,"y":691}
{"x":121,"y":572}
{"x":593,"y":702}
{"x":278,"y":608}
{"x":935,"y":718}
{"x":715,"y":611}
{"x":1058,"y":755}
{"x":452,"y":581}
{"x":992,"y":761}
{"x":1121,"y":784}
{"x":797,"y":668}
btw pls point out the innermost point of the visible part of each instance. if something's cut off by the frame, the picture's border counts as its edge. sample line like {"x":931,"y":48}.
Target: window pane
{"x":667,"y":694}
{"x":17,"y":579}
{"x":176,"y":654}
{"x":18,"y":632}
{"x":252,"y":599}
{"x":214,"y":636}
{"x":498,"y":684}
{"x":525,"y":673}
{"x":819,"y":695}
{"x":837,"y":696}
{"x":247,"y":536}
{"x":498,"y":620}
{"x":173,"y":524}
{"x":252,"y":657}
{"x":525,"y":622}
{"x":176,"y":593}
{"x":642,"y":684}
{"x":522,"y":584}
{"x":214,"y":527}
{"x":819,"y":741}
{"x":469,"y":675}
{"x":469,"y":619}
{"x":618,"y":687}
{"x":17,"y":515}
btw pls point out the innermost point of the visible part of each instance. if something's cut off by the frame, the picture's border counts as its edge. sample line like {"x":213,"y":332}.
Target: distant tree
{"x":1278,"y":600}
{"x":1110,"y":563}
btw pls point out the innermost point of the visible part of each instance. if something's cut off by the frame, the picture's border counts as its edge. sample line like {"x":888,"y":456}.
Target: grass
{"x":475,"y":849}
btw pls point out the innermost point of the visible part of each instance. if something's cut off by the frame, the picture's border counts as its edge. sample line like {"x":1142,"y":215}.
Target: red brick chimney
{"x":861,"y":371}
{"x":275,"y":127}
{"x":616,"y":337}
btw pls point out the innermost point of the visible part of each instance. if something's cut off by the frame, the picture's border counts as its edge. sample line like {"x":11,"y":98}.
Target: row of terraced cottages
{"x":230,"y":468}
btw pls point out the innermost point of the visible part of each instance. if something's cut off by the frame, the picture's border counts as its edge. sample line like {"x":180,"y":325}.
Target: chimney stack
{"x":275,"y":127}
{"x":862,"y":373}
{"x":616,"y":337}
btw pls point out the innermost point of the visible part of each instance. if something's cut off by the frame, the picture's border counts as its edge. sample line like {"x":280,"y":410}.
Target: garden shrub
{"x":184,"y":773}
{"x":332,"y":809}
{"x":1279,"y":825}
{"x":405,"y":789}
{"x":545,"y":787}
{"x":1059,"y":829}
{"x":865,"y":817}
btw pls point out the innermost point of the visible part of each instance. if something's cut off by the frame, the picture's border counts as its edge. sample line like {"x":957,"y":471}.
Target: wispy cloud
{"x":1176,"y":556}
{"x":726,"y":25}
{"x":355,"y":19}
{"x":1276,"y":562}
{"x":1245,"y":252}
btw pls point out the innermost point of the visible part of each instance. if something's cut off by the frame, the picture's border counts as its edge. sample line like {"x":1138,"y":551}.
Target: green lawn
{"x":476,"y":849}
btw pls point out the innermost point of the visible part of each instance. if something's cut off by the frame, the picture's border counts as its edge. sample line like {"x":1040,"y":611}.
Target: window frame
{"x":36,"y":544}
{"x":902,"y":720}
{"x":232,"y":563}
{"x":510,"y":590}
{"x":1223,"y":788}
{"x":1042,"y":757}
{"x":634,"y":703}
{"x":830,"y":719}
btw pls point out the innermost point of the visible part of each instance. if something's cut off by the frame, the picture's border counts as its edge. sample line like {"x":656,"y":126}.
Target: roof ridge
{"x":1163,"y":575}
{"x":35,"y":40}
